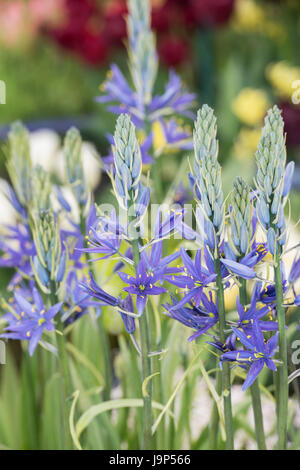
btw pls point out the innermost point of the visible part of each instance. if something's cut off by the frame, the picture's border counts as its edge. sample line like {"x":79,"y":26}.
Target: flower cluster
{"x":146,"y":110}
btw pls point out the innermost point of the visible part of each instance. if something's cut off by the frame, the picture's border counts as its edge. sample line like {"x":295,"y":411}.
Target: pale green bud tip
{"x":241,"y":216}
{"x":271,"y":155}
{"x":74,"y":167}
{"x":127,"y":159}
{"x":241,"y":194}
{"x":205,"y":142}
{"x":19,"y":140}
{"x":207,"y":170}
{"x":19,"y":162}
{"x":72,"y":143}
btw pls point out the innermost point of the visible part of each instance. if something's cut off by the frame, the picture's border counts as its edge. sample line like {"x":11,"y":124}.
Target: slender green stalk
{"x":156,"y":178}
{"x":226,"y":385}
{"x":146,"y":372}
{"x":67,"y":388}
{"x":283,"y":368}
{"x":255,"y":392}
{"x":158,"y":394}
{"x":102,"y":331}
{"x":214,"y":428}
{"x":146,"y":368}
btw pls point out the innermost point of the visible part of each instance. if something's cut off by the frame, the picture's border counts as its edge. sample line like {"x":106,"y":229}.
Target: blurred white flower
{"x":70,"y":198}
{"x":44,"y":145}
{"x":8,"y":214}
{"x":91,"y":165}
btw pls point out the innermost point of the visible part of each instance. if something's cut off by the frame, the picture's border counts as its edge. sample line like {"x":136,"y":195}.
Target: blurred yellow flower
{"x":250,"y":106}
{"x":246,"y":143}
{"x":283,"y":78}
{"x":159,"y":139}
{"x":230,"y":296}
{"x":250,"y":17}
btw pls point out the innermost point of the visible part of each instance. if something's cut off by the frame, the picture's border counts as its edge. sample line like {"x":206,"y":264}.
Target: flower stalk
{"x":283,"y":368}
{"x":254,"y":389}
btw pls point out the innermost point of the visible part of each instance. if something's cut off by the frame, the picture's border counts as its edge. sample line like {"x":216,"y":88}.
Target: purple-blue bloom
{"x":244,"y":267}
{"x":92,"y":288}
{"x":173,"y":100}
{"x":247,"y":316}
{"x":295,"y":270}
{"x":105,"y":237}
{"x":201,"y":318}
{"x":155,"y":263}
{"x":142,"y":285}
{"x":257,"y":355}
{"x":196,"y":277}
{"x":31,"y":320}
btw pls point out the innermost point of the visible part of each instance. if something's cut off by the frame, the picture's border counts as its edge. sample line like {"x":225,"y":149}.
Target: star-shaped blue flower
{"x":257,"y":355}
{"x":31,"y":320}
{"x":142,"y":285}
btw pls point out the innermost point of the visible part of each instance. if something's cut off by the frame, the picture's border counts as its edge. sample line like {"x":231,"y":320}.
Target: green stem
{"x":146,"y":367}
{"x":146,"y":372}
{"x":255,"y":391}
{"x":226,"y":385}
{"x":104,"y":340}
{"x":156,"y":178}
{"x":67,"y":388}
{"x":283,"y":368}
{"x":214,"y":428}
{"x":158,"y":393}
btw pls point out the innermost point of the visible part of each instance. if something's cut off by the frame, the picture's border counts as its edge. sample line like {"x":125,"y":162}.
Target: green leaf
{"x":96,"y":410}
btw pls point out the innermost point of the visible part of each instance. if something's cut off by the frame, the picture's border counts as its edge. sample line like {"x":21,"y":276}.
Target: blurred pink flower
{"x":20,"y":21}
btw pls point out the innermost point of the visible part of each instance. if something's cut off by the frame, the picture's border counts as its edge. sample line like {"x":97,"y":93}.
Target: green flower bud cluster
{"x":240,"y":228}
{"x":74,"y":167}
{"x":49,"y":265}
{"x":142,"y":49}
{"x":128,"y":161}
{"x":207,"y":170}
{"x":19,"y":163}
{"x":270,"y":160}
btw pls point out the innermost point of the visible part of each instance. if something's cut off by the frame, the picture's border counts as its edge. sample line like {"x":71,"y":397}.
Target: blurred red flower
{"x":208,"y":12}
{"x":291,"y":117}
{"x":115,"y":21}
{"x":92,"y":28}
{"x":173,"y":51}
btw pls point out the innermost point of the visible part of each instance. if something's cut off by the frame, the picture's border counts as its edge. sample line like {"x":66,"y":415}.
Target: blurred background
{"x":239,"y":56}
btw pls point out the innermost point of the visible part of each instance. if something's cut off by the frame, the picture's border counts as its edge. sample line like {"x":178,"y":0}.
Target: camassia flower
{"x":247,"y":316}
{"x":257,"y":355}
{"x":200,"y":318}
{"x":123,"y":306}
{"x":77,"y":300}
{"x":92,"y":288}
{"x":155,"y":263}
{"x":17,"y":248}
{"x":196,"y":277}
{"x":142,"y":285}
{"x":30,"y":320}
{"x":245,"y":266}
{"x":105,"y":236}
{"x":173,"y":101}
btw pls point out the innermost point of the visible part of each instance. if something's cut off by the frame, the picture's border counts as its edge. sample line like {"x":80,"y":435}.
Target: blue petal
{"x":239,"y":269}
{"x":253,"y":373}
